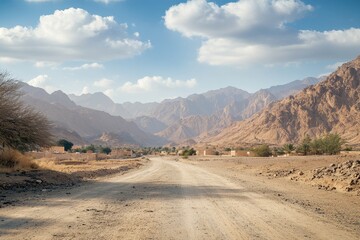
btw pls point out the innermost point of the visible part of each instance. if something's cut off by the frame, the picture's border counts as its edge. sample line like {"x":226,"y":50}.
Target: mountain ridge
{"x":333,"y":105}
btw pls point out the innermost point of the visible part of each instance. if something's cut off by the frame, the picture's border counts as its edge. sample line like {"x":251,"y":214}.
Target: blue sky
{"x":142,"y":50}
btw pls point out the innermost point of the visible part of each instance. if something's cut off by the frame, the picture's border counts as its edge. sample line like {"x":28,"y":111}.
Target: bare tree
{"x":21,"y":127}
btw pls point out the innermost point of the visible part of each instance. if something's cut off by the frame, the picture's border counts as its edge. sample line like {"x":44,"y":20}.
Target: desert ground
{"x":195,"y":198}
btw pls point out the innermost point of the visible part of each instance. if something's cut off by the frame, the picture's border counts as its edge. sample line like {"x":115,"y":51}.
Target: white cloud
{"x":85,"y":90}
{"x":41,"y":81}
{"x":45,"y":64}
{"x":334,"y":66}
{"x":103,"y":83}
{"x":108,"y":1}
{"x":255,"y":31}
{"x":8,"y":60}
{"x":147,"y":84}
{"x":85,"y":66}
{"x":70,"y":34}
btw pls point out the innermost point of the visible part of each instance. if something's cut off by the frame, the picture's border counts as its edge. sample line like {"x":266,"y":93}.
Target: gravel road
{"x":166,"y":199}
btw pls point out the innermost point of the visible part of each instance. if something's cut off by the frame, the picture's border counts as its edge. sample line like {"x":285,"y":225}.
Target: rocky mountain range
{"x":199,"y":114}
{"x":81,"y":125}
{"x":95,"y":118}
{"x":332,"y":105}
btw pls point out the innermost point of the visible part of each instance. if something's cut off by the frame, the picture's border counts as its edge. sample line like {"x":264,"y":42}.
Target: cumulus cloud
{"x":41,"y":81}
{"x":71,"y":34}
{"x":103,"y":83}
{"x":148,"y":83}
{"x":85,"y":66}
{"x":255,"y":31}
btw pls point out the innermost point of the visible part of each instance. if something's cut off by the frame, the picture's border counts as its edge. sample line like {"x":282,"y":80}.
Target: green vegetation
{"x":188,"y":152}
{"x":288,"y":148}
{"x":94,"y":149}
{"x":304,"y":147}
{"x":66,"y":144}
{"x":106,"y":150}
{"x":329,"y":144}
{"x":262,"y":151}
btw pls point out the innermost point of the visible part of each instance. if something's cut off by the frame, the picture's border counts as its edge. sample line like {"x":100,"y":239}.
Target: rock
{"x":39,"y":181}
{"x":300,"y":173}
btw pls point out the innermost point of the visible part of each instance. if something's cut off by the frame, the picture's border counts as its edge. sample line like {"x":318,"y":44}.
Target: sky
{"x":144,"y":51}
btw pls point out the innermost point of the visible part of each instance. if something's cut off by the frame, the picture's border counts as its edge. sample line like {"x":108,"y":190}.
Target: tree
{"x":262,"y":151}
{"x":332,"y":143}
{"x":66,"y":144}
{"x":288,"y":148}
{"x":90,"y":148}
{"x":21,"y":127}
{"x":317,"y":146}
{"x":304,"y":147}
{"x":189,"y":152}
{"x":106,"y":150}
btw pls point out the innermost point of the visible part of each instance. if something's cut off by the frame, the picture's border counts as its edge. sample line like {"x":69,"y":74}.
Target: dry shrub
{"x":13,"y":159}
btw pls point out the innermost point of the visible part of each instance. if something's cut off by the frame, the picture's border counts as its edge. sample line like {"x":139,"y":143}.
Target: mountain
{"x":199,"y":114}
{"x":62,"y":133}
{"x":138,"y":109}
{"x":87,"y":123}
{"x":206,"y":104}
{"x":291,"y":88}
{"x":112,"y":139}
{"x":149,"y":124}
{"x":195,"y":125}
{"x":99,"y":101}
{"x":332,"y":105}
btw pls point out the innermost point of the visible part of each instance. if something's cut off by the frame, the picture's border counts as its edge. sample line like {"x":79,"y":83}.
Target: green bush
{"x":262,"y":151}
{"x":288,"y":148}
{"x":329,"y":144}
{"x":304,"y":148}
{"x":66,"y":144}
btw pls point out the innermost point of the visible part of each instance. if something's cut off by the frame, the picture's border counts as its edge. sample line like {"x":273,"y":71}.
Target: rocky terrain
{"x":332,"y":105}
{"x":199,"y":197}
{"x":52,"y":175}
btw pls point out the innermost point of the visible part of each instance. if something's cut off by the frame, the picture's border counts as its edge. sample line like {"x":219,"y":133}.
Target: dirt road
{"x":165,"y":200}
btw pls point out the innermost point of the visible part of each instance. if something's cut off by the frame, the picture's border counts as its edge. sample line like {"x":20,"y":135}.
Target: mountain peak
{"x":329,"y":106}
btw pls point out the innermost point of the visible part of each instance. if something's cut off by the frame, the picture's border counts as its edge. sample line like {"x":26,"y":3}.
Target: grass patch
{"x":11,"y":159}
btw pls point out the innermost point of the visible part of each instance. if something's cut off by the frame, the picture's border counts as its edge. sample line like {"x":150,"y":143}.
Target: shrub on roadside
{"x":13,"y":159}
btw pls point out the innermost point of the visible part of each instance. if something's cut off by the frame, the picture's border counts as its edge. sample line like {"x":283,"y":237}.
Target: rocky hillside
{"x":291,"y":88}
{"x":199,"y":114}
{"x":332,"y":105}
{"x":80,"y":121}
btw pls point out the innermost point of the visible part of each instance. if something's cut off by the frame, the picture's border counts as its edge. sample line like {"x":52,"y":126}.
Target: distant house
{"x":206,"y":152}
{"x":120,"y":153}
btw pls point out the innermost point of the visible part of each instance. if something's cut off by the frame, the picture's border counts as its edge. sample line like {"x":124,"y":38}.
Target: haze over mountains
{"x":332,"y":105}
